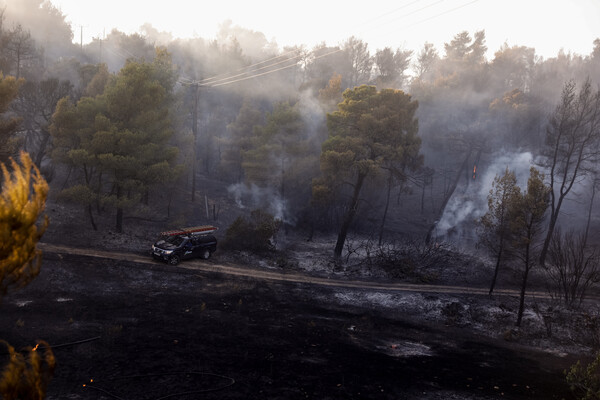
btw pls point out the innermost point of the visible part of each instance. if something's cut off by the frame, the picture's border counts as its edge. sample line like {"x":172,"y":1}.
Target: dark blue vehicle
{"x":185,"y":244}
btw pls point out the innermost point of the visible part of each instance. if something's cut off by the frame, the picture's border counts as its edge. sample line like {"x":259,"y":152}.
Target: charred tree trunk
{"x":42,"y":149}
{"x":493,"y":284}
{"x":523,"y":288}
{"x":387,"y":206}
{"x":119,"y":225}
{"x":119,"y":221}
{"x":91,"y":215}
{"x":589,"y":218}
{"x":339,"y":246}
{"x":555,"y":212}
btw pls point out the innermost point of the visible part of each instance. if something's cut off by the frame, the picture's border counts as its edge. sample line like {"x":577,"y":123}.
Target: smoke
{"x":313,"y":116}
{"x":268,"y":199}
{"x":470,"y":203}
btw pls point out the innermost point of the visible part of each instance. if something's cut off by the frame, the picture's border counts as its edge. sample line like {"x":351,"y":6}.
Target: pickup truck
{"x":186,"y":243}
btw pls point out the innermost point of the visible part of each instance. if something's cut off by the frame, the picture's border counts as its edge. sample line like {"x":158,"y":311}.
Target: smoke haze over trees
{"x":454,"y":145}
{"x":252,"y":116}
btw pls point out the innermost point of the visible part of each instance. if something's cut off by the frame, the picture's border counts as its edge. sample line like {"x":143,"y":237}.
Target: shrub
{"x":255,"y":234}
{"x":585,"y":380}
{"x":27,"y":377}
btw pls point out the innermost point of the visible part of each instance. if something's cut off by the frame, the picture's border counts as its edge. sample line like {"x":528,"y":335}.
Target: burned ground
{"x":150,"y":331}
{"x":145,"y":330}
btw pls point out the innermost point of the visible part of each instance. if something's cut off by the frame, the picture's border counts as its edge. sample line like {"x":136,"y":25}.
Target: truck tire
{"x":205,"y":254}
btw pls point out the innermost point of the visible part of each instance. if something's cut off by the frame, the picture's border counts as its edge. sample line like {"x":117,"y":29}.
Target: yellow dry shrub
{"x":26,"y":377}
{"x":22,"y":201}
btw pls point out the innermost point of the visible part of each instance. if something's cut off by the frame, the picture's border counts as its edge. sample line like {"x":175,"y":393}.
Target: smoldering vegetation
{"x":148,"y":129}
{"x":252,"y":117}
{"x":248,"y":119}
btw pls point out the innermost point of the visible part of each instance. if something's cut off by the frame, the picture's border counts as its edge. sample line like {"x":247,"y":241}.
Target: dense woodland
{"x":338,"y":138}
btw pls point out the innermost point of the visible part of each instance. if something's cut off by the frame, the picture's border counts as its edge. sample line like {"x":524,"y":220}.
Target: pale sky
{"x":546,"y":25}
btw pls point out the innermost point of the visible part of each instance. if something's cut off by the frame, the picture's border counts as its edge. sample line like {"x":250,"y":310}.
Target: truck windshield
{"x":174,"y":240}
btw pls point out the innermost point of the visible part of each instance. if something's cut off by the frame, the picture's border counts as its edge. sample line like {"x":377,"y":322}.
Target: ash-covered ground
{"x":152,"y":331}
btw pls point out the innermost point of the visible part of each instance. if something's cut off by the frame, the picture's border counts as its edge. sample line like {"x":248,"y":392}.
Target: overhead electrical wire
{"x":410,"y":13}
{"x":443,"y":13}
{"x":216,"y":80}
{"x":250,"y":66}
{"x":274,"y":70}
{"x":387,"y":14}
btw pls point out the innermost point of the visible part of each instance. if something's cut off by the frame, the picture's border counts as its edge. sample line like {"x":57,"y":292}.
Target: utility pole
{"x":195,"y":133}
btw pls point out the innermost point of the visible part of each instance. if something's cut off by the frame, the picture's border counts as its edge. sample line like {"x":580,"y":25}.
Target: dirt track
{"x":284,"y":276}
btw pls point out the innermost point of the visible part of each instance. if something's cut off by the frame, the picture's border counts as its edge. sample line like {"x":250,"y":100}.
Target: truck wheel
{"x":174,"y":260}
{"x":205,"y":254}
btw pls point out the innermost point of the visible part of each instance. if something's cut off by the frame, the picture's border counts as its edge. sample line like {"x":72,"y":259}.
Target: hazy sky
{"x":546,"y":25}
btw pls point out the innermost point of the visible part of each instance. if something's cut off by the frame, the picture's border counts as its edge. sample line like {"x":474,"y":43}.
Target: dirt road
{"x":285,"y":276}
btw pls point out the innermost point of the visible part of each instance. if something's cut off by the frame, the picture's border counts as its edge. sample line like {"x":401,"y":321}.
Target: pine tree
{"x":494,"y":226}
{"x":22,"y":202}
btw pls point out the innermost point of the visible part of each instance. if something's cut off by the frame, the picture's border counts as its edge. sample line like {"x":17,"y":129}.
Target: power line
{"x":443,"y":13}
{"x":250,"y":66}
{"x":214,"y":82}
{"x":275,"y":70}
{"x":409,"y":13}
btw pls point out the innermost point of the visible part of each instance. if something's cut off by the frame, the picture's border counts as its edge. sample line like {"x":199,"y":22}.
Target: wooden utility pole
{"x":195,"y":133}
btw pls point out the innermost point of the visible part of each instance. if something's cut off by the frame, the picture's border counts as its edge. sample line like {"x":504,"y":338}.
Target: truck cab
{"x":184,"y":244}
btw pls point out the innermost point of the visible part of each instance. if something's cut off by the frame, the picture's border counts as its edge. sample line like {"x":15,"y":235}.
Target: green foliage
{"x":27,"y":377}
{"x":282,"y":154}
{"x":371,"y":131}
{"x":9,"y":87}
{"x":527,"y":211}
{"x":585,"y":380}
{"x":22,"y":202}
{"x":119,"y":139}
{"x":495,"y":221}
{"x":526,"y":214}
{"x":275,"y":146}
{"x":240,"y":140}
{"x":331,"y":95}
{"x":494,"y":227}
{"x":254,"y":234}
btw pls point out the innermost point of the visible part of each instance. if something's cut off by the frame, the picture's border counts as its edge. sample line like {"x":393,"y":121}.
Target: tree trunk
{"x":42,"y":149}
{"x":423,"y":198}
{"x":91,"y":215}
{"x":551,"y":226}
{"x":119,"y":225}
{"x":339,"y":246}
{"x":497,"y":268}
{"x":589,"y":218}
{"x":523,"y":288}
{"x":387,"y":206}
{"x":119,"y":222}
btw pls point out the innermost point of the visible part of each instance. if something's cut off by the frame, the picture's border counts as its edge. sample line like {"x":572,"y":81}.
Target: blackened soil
{"x":130,"y":331}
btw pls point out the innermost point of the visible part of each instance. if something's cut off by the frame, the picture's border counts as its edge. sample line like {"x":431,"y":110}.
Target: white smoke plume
{"x":469,"y":204}
{"x":268,"y":199}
